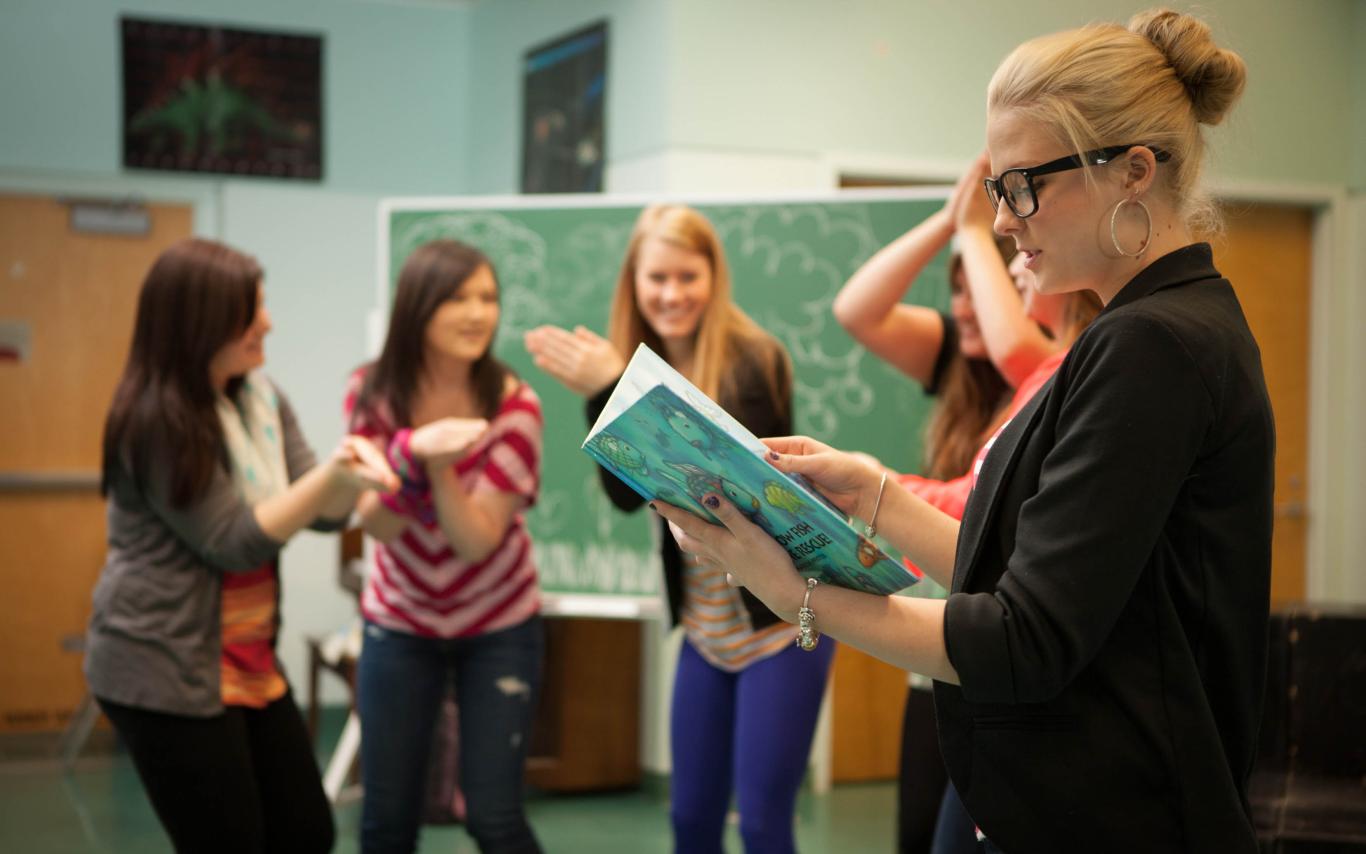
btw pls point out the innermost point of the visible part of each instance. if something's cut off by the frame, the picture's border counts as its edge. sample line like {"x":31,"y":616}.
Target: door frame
{"x":205,"y":198}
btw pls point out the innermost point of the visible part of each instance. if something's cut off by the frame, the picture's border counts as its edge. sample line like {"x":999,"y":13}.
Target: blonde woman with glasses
{"x":1100,"y":660}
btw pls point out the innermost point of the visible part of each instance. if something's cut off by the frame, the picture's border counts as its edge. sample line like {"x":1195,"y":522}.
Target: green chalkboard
{"x":557,"y":260}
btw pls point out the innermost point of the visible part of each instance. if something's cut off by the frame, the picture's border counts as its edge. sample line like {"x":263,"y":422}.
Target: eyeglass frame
{"x":1095,"y":157}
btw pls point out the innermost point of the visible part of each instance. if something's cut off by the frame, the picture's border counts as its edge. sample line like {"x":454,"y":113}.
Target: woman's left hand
{"x":362,"y":464}
{"x":441,"y":442}
{"x":749,"y":556}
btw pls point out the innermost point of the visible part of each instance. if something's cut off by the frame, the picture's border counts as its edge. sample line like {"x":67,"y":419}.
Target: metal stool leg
{"x":343,"y":757}
{"x":78,"y":731}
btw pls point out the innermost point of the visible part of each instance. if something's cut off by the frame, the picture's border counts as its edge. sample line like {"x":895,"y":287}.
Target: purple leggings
{"x":747,"y":732}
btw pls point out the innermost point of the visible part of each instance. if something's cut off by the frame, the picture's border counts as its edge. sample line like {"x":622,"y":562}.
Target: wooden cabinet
{"x":587,"y":731}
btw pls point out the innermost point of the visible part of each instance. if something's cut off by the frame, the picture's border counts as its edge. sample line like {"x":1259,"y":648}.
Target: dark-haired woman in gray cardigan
{"x":207,"y":476}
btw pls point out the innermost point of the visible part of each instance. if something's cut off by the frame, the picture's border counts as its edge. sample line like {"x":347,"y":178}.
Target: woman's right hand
{"x":583,"y":361}
{"x":445,"y":440}
{"x":849,"y":481}
{"x":363,"y":465}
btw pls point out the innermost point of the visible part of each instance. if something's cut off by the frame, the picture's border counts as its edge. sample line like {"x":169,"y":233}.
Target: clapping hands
{"x":362,"y":464}
{"x":583,"y":361}
{"x":446,"y":440}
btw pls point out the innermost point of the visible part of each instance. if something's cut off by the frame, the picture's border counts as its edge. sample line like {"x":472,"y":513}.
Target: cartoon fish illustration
{"x":697,"y":481}
{"x":783,"y":498}
{"x":623,"y":453}
{"x":743,"y":500}
{"x":868,"y":553}
{"x":693,"y":433}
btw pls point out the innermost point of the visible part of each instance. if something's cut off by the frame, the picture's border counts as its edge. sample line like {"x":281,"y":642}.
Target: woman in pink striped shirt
{"x":453,"y":592}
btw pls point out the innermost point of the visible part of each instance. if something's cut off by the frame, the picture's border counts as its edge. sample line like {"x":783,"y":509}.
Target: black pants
{"x":242,"y":781}
{"x":920,"y":785}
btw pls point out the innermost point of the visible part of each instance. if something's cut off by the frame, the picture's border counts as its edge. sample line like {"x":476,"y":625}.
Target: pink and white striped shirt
{"x":418,"y":583}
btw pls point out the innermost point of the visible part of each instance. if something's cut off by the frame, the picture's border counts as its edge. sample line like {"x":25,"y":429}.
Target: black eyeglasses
{"x":1016,"y":186}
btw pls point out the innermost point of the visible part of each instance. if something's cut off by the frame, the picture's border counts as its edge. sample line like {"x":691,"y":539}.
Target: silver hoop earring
{"x":1114,"y":236}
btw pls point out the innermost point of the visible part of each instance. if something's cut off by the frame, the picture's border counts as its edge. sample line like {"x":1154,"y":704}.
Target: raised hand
{"x":446,"y":440}
{"x":972,"y":208}
{"x":583,"y":361}
{"x":364,"y":465}
{"x":849,"y":481}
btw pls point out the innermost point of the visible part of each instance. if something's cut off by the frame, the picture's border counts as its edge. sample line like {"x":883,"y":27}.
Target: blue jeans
{"x":748,"y":732}
{"x":955,"y":832}
{"x":402,"y":679}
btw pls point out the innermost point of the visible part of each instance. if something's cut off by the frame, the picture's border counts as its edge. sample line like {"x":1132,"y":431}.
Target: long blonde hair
{"x":1151,"y":83}
{"x":725,"y":334}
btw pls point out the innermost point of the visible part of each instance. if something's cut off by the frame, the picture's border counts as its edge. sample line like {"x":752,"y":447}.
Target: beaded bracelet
{"x":807,"y":636}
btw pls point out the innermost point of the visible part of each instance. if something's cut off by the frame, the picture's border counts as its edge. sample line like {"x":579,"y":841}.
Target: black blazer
{"x":755,"y":406}
{"x":1108,"y":613}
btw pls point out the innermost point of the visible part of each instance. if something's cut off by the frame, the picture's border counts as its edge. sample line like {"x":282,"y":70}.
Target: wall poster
{"x":205,"y":98}
{"x":564,"y":89}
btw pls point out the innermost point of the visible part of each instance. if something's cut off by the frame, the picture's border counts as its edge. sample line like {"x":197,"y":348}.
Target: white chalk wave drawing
{"x":816,"y":248}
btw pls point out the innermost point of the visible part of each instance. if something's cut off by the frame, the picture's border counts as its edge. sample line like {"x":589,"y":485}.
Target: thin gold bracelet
{"x":807,"y":636}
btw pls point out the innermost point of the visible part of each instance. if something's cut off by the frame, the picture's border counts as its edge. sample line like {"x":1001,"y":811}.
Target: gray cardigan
{"x":154,"y":636}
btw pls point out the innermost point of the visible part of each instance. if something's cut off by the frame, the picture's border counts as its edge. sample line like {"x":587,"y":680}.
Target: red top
{"x":951,"y":496}
{"x":247,"y":672}
{"x":418,"y":584}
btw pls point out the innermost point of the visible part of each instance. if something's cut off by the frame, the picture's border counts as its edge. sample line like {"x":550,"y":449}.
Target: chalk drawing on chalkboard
{"x":517,"y":253}
{"x":828,"y":244}
{"x":558,"y":260}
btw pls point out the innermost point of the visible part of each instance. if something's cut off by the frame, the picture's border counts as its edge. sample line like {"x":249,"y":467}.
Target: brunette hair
{"x":433,"y":273}
{"x":198,"y":296}
{"x":971,"y":399}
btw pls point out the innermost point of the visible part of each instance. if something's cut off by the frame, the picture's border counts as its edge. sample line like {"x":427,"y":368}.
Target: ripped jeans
{"x":401,"y":681}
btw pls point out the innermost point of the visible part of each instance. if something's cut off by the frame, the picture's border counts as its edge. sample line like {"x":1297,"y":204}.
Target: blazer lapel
{"x":985,"y":499}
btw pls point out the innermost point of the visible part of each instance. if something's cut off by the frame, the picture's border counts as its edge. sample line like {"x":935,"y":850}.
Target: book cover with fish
{"x":667,"y":440}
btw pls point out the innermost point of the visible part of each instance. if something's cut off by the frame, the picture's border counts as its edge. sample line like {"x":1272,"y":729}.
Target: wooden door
{"x":1266,"y":251}
{"x":73,"y":297}
{"x":868,"y":698}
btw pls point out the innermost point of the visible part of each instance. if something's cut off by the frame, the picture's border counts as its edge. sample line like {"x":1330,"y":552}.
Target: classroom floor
{"x":100,"y":808}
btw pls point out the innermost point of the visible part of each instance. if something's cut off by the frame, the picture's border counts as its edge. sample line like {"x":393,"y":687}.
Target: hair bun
{"x":1213,"y":77}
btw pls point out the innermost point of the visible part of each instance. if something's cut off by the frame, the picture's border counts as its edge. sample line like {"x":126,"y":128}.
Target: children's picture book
{"x":668,"y":441}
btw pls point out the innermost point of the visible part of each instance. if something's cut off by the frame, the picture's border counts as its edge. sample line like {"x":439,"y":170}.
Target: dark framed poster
{"x":564,"y":87}
{"x":216,"y":99}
